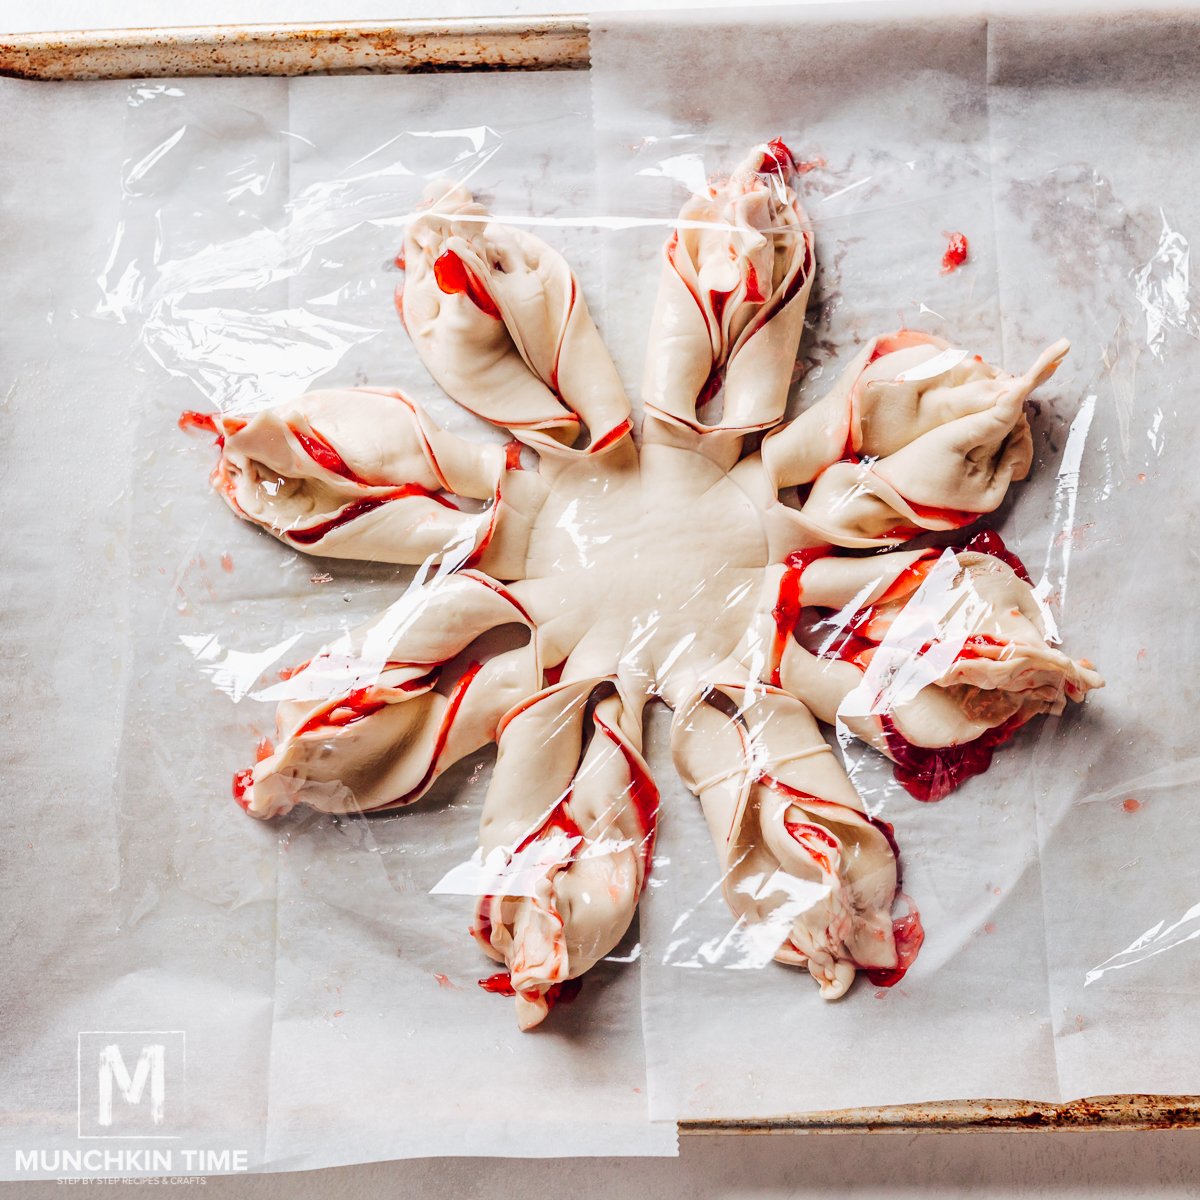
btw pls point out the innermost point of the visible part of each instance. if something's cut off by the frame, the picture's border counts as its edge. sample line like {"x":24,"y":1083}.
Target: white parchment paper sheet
{"x":177,"y":245}
{"x":1032,"y":877}
{"x":231,"y":242}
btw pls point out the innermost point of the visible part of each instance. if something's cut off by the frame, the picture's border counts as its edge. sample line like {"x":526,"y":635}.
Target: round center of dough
{"x":659,"y":559}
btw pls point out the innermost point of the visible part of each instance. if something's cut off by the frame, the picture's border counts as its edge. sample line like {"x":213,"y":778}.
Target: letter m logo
{"x":151,"y":1065}
{"x":128,"y":1083}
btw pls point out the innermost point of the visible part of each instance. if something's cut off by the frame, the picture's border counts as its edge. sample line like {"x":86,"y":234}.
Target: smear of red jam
{"x":810,"y":164}
{"x":449,"y":715}
{"x":712,"y":385}
{"x":355,"y":705}
{"x":502,"y":591}
{"x":787,"y":607}
{"x":956,"y":253}
{"x":889,"y":832}
{"x":323,"y":454}
{"x":512,"y":455}
{"x":211,"y":423}
{"x":314,"y":533}
{"x":242,"y":782}
{"x":753,"y":291}
{"x":454,"y":279}
{"x":902,"y":339}
{"x":932,"y":773}
{"x":909,"y":579}
{"x":643,"y":794}
{"x":198,"y":420}
{"x":264,"y":749}
{"x":851,"y":647}
{"x":777,"y":157}
{"x":613,"y":435}
{"x":559,"y":821}
{"x":345,"y":711}
{"x":717,"y":301}
{"x":955,"y":517}
{"x":800,"y":276}
{"x":500,"y":984}
{"x":983,"y":645}
{"x":909,"y":936}
{"x":554,"y":674}
{"x":988,"y":541}
{"x":818,"y":843}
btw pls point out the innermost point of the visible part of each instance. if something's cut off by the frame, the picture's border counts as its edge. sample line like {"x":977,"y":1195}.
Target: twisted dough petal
{"x":802,"y":864}
{"x":374,"y":719}
{"x":569,"y":822}
{"x":735,"y":282}
{"x":358,"y":473}
{"x":499,"y":320}
{"x":915,"y":435}
{"x":934,"y":660}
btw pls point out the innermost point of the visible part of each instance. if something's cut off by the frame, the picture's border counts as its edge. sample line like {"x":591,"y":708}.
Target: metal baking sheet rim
{"x":472,"y":44}
{"x":518,"y":43}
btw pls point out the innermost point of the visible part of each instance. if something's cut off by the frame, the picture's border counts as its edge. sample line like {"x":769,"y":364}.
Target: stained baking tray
{"x":511,"y":44}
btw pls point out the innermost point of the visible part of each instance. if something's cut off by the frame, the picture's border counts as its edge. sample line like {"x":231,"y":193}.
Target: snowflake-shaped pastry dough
{"x":704,"y":564}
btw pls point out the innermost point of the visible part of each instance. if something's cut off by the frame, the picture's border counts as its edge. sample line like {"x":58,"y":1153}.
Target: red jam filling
{"x":817,"y":843}
{"x":932,"y":773}
{"x":314,"y":533}
{"x":500,"y":984}
{"x":323,"y":454}
{"x":777,"y":157}
{"x":787,"y":607}
{"x":453,"y":278}
{"x":242,"y":782}
{"x":956,"y":253}
{"x":211,"y":423}
{"x":909,"y":937}
{"x":753,"y":291}
{"x":988,"y":541}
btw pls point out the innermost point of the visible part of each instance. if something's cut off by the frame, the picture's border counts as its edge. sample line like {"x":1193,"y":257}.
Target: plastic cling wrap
{"x":986,"y":184}
{"x":608,"y":598}
{"x":239,"y":251}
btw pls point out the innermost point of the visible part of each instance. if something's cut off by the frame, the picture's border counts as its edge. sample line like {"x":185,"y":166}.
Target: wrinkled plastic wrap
{"x":235,"y":246}
{"x":1057,"y":891}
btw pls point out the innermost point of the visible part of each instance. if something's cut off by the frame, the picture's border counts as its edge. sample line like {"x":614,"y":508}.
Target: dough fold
{"x":916,"y":435}
{"x":934,"y":658}
{"x":569,"y":824}
{"x":735,"y":281}
{"x":358,"y":473}
{"x":375,"y":718}
{"x":811,"y":878}
{"x":499,"y":320}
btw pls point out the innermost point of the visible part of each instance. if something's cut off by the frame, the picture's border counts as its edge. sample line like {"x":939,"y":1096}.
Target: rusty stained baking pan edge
{"x":472,"y":44}
{"x":1096,"y":1112}
{"x":517,"y":43}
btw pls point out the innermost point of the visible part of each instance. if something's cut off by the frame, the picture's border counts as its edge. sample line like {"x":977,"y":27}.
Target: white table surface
{"x":895,"y":1166}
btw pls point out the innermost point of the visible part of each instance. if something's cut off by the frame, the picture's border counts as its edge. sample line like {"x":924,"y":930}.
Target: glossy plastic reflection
{"x":701,"y":564}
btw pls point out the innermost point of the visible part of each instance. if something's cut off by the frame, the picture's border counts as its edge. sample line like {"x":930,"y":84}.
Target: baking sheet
{"x":1052,"y":888}
{"x":161,"y":915}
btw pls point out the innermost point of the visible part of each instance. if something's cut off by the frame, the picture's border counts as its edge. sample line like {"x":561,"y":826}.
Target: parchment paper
{"x":188,"y":243}
{"x":231,"y":242}
{"x":1033,"y":880}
